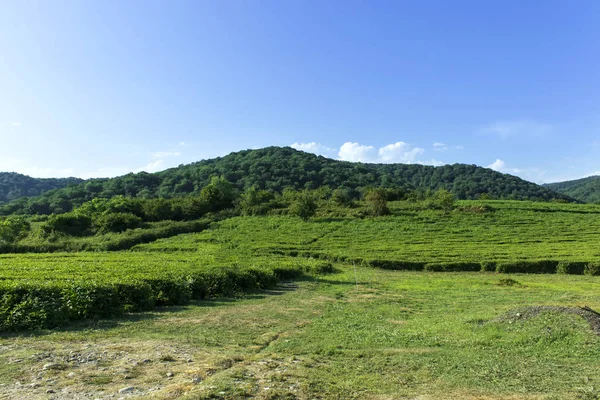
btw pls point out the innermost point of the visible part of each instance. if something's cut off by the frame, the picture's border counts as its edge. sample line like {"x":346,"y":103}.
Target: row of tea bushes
{"x":37,"y":304}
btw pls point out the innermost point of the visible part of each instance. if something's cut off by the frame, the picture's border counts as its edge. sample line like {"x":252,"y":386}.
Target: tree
{"x":304,"y":206}
{"x":219,"y":193}
{"x":377,"y":202}
{"x":445,"y":199}
{"x":341,"y":197}
{"x":13,"y":229}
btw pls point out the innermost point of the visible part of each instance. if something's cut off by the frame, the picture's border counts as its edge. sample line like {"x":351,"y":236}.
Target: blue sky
{"x":101,"y":88}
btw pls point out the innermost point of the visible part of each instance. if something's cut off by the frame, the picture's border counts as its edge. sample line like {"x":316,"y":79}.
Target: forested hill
{"x":586,"y":189}
{"x":14,"y":186}
{"x":279,"y":167}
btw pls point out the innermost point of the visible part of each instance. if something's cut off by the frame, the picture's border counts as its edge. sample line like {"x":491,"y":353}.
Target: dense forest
{"x":277,"y":168}
{"x":14,"y":186}
{"x":586,"y":189}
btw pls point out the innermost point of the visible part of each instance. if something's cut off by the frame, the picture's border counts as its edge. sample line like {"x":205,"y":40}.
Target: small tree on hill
{"x":341,"y":197}
{"x":304,"y":207}
{"x":377,"y":202}
{"x":445,"y":200}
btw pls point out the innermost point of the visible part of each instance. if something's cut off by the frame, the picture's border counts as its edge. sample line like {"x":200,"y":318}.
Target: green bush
{"x":304,"y":207}
{"x":488,"y":266}
{"x":73,"y":224}
{"x":453,"y":267}
{"x":41,"y":305}
{"x":396,"y":265}
{"x":528,"y":267}
{"x":570,"y":267}
{"x":592,"y":268}
{"x":117,"y":222}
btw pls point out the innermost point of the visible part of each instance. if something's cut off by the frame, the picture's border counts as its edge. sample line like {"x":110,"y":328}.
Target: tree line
{"x":276,"y":169}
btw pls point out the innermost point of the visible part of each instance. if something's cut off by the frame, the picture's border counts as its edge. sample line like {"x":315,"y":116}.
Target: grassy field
{"x":509,"y":231}
{"x":296,"y":309}
{"x":397,"y":334}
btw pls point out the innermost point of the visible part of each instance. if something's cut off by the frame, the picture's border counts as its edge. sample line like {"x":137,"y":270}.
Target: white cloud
{"x":506,"y":129}
{"x":433,"y":161}
{"x":530,"y":174}
{"x":164,"y":154}
{"x":15,"y":123}
{"x":315,"y":148}
{"x":356,"y":152}
{"x":181,"y":144}
{"x":154,"y":166}
{"x":497,"y":165}
{"x":399,"y":152}
{"x":438,"y":146}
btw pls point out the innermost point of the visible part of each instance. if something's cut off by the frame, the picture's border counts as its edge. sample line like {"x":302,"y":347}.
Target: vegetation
{"x":586,"y":190}
{"x":397,"y":334}
{"x":274,"y":169}
{"x":43,"y":291}
{"x":503,"y":236}
{"x":15,"y":186}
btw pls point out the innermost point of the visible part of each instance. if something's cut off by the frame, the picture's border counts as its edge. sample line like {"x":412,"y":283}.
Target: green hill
{"x":14,"y":186}
{"x":586,"y":189}
{"x":276,"y":168}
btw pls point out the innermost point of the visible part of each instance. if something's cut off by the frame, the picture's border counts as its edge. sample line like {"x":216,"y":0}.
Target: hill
{"x":585,"y":189}
{"x":276,"y":168}
{"x":14,"y":186}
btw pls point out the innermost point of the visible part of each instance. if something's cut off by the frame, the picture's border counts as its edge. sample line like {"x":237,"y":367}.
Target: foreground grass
{"x":394,"y":335}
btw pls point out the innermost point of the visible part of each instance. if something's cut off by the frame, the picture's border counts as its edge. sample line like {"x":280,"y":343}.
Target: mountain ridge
{"x":585,"y":189}
{"x":14,"y":185}
{"x":275,"y":168}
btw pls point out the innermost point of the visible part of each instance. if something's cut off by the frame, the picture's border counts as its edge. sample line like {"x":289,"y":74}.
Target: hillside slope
{"x":14,"y":186}
{"x":279,"y":167}
{"x":585,"y":189}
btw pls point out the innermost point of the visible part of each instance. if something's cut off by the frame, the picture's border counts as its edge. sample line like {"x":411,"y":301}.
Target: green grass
{"x":513,"y":231}
{"x":399,"y":334}
{"x":361,"y":332}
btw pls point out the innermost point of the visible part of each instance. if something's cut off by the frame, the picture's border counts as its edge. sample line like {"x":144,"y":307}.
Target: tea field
{"x":272,"y":307}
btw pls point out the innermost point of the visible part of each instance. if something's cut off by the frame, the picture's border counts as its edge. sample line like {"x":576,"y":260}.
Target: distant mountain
{"x":279,"y":167}
{"x":585,"y":189}
{"x":14,"y":186}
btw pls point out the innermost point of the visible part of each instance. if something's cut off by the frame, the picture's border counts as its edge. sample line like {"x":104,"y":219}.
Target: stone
{"x":50,"y":366}
{"x":127,"y":389}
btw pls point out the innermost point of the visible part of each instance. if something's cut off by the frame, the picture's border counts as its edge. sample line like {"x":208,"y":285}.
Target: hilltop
{"x":585,"y":189}
{"x":275,"y":168}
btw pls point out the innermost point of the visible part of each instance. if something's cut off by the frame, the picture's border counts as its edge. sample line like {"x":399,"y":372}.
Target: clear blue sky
{"x":100,"y":88}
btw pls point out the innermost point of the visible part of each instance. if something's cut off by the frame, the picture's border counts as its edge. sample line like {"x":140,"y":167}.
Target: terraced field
{"x":509,"y":231}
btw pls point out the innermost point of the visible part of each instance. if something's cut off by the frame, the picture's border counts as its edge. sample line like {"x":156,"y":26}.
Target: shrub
{"x":13,"y":229}
{"x":488,"y":266}
{"x":592,"y":268}
{"x":73,"y":224}
{"x":396,"y":265}
{"x":453,"y":267}
{"x":304,"y":207}
{"x":117,"y":222}
{"x":570,"y":267}
{"x":528,"y":267}
{"x":341,"y":197}
{"x":377,"y":202}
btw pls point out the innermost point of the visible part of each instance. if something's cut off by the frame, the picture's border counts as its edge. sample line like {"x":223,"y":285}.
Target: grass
{"x":399,"y":334}
{"x":373,"y":333}
{"x":512,"y":231}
